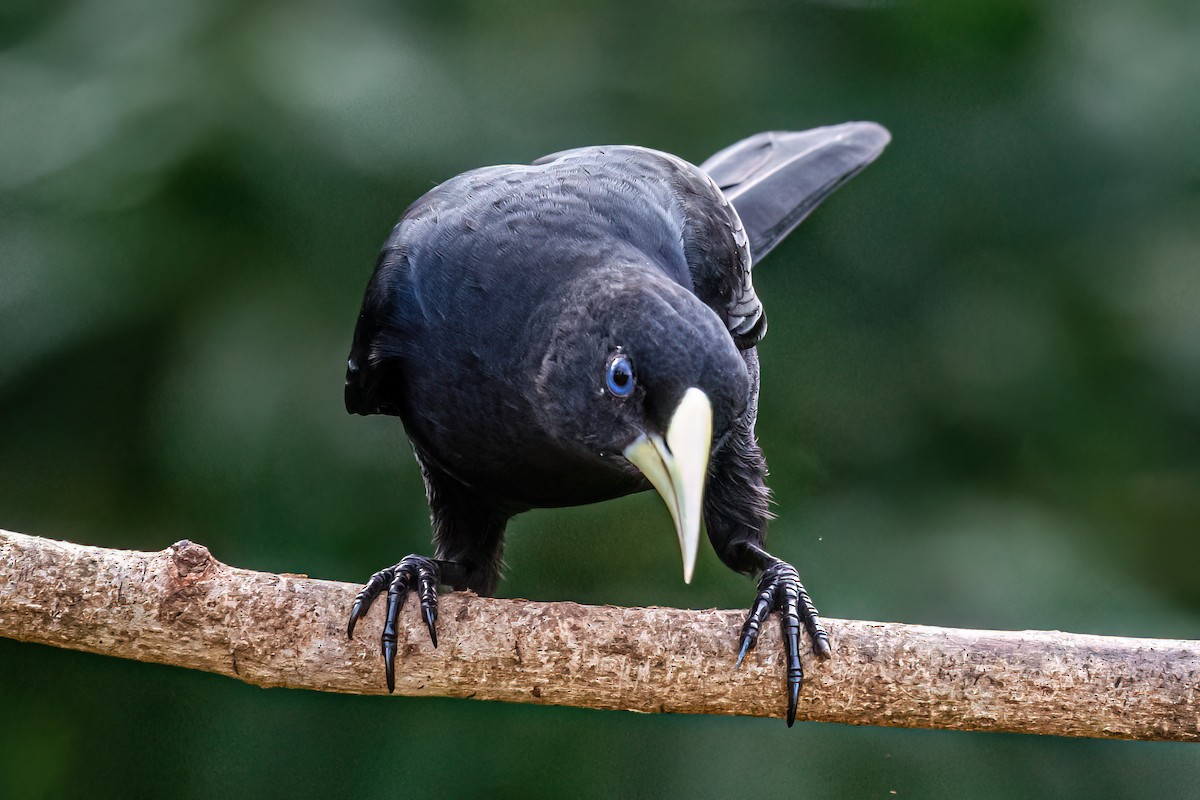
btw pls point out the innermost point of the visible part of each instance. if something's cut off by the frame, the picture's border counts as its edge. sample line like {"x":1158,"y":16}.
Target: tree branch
{"x":181,"y":606}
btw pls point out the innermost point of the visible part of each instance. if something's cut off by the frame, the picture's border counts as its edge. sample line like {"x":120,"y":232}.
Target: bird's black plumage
{"x":580,"y":329}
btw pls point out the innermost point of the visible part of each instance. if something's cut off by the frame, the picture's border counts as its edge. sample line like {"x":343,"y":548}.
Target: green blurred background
{"x":982,"y":381}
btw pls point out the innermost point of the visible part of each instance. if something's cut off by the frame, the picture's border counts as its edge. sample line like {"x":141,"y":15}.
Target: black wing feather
{"x":776,"y":179}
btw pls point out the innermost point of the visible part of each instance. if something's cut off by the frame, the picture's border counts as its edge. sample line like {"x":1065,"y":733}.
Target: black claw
{"x":397,"y":593}
{"x":822,"y":647}
{"x":430,"y":615}
{"x":754,"y":621}
{"x":364,"y":599}
{"x":742,"y":652}
{"x":413,"y":572}
{"x":429,"y":609}
{"x":812,"y":622}
{"x":790,"y":627}
{"x":780,"y":590}
{"x":389,"y":665}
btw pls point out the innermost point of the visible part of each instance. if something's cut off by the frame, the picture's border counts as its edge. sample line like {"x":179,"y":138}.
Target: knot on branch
{"x":192,"y":561}
{"x":180,"y":602}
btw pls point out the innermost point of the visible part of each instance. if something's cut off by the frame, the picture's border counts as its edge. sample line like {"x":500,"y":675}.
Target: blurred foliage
{"x":981,"y":392}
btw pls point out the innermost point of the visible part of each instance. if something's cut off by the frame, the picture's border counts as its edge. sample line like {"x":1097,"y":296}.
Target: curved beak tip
{"x":677,"y":466}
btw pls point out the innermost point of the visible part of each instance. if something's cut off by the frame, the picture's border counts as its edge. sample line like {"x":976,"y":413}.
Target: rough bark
{"x":181,"y":606}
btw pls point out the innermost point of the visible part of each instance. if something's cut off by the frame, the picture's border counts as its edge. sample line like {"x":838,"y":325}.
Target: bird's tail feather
{"x":775,"y":179}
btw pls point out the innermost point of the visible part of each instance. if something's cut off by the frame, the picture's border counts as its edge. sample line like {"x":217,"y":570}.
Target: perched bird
{"x":582,"y":328}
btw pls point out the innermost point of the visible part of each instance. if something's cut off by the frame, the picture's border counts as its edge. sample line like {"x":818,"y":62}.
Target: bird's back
{"x":536,"y":224}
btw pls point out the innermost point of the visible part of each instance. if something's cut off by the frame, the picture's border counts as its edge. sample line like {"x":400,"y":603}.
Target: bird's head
{"x":642,"y":377}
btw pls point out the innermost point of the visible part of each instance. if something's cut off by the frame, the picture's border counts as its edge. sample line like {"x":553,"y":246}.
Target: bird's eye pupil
{"x":619,"y":377}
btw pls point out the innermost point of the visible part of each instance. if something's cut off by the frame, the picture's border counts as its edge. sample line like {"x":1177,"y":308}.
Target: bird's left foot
{"x":413,"y":573}
{"x":780,"y":590}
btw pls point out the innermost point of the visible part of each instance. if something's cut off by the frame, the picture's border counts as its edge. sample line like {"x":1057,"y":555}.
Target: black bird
{"x":583,"y":328}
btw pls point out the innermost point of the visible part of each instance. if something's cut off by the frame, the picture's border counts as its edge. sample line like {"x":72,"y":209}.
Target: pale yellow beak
{"x":677,"y":468}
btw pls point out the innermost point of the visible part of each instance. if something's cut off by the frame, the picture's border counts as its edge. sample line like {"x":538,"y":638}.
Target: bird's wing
{"x":775,"y":179}
{"x":382,"y":319}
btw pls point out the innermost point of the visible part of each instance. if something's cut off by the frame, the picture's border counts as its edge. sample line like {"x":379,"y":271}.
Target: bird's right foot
{"x":413,"y":573}
{"x":779,"y":589}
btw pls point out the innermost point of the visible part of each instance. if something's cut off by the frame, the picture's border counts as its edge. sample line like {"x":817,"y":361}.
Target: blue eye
{"x":619,"y":377}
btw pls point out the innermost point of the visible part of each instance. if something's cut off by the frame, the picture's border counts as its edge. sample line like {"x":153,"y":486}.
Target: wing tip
{"x":738,"y":161}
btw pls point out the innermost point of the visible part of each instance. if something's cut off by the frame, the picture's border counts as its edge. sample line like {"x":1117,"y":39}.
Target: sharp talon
{"x":743,"y":651}
{"x":364,"y":599}
{"x":430,"y":623}
{"x":822,"y":648}
{"x":795,"y":684}
{"x":389,"y":665}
